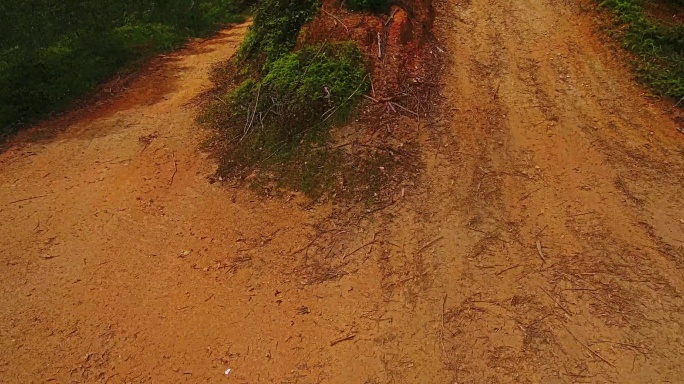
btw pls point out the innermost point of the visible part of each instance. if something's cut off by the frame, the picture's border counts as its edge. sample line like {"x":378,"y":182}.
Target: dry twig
{"x":539,"y":250}
{"x":349,"y":337}
{"x":26,"y":199}
{"x":336,"y":20}
{"x":175,"y":169}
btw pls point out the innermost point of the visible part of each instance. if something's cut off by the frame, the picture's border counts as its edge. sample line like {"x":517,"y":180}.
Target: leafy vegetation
{"x":276,"y":27}
{"x":52,"y":52}
{"x":277,"y":104}
{"x":659,"y":48}
{"x":277,"y":124}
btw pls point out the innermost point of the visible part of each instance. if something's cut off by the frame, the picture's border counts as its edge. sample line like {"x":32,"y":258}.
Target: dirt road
{"x":544,"y":241}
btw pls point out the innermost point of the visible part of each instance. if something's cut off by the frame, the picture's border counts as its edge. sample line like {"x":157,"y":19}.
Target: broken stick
{"x":333,"y":343}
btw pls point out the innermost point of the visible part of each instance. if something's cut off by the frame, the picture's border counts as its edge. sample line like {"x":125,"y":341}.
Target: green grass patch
{"x":276,"y":27}
{"x":53,"y":52}
{"x":659,"y":49}
{"x":276,"y":127}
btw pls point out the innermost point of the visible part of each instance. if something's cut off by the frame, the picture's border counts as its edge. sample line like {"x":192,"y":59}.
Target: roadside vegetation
{"x":278,"y":122}
{"x":277,"y":103}
{"x":53,"y":52}
{"x":658,"y":46}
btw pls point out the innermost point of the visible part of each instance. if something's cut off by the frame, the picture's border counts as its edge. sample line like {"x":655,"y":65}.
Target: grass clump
{"x":275,"y":127}
{"x":659,"y":49}
{"x":53,"y":52}
{"x":276,"y":26}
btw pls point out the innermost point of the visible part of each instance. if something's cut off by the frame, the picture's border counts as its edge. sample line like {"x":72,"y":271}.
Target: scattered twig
{"x":530,"y":194}
{"x":389,"y":20}
{"x":360,"y":248}
{"x":384,"y":99}
{"x":175,"y":169}
{"x":404,"y":108}
{"x":391,"y":103}
{"x":593,"y":353}
{"x":221,"y":100}
{"x":379,"y":46}
{"x":556,"y":302}
{"x":345,"y":102}
{"x":250,"y":119}
{"x":542,"y":230}
{"x":507,"y":269}
{"x":443,"y":330}
{"x":312,"y":242}
{"x":478,"y":230}
{"x":679,"y":102}
{"x":26,"y":199}
{"x":637,"y":348}
{"x":428,"y":245}
{"x":539,"y":250}
{"x":337,"y":20}
{"x":581,"y":214}
{"x":347,"y":338}
{"x":369,"y":211}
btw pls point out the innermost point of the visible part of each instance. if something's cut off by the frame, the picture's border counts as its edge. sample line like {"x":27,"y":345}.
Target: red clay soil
{"x":398,"y":46}
{"x":543,"y":241}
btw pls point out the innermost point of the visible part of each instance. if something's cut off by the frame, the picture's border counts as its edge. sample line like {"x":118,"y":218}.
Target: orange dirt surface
{"x":543,"y":241}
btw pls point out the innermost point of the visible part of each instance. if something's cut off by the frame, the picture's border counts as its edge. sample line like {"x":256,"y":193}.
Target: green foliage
{"x":370,"y":5}
{"x":659,"y":48}
{"x":52,"y":52}
{"x":276,"y":27}
{"x":276,"y":123}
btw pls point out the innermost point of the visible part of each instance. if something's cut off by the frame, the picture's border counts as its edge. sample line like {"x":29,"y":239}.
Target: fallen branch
{"x":389,"y":20}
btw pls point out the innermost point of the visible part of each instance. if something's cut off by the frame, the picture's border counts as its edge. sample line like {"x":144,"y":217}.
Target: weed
{"x":659,"y":49}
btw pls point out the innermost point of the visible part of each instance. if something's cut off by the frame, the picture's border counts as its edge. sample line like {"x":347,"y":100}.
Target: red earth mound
{"x":398,"y":45}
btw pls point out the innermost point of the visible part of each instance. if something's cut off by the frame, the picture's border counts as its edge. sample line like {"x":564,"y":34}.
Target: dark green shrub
{"x":52,"y":52}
